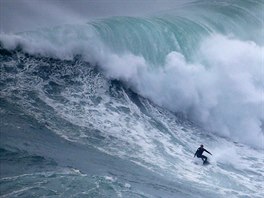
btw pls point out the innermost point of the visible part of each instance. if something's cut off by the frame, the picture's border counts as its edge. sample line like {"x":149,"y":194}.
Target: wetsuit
{"x":199,"y":154}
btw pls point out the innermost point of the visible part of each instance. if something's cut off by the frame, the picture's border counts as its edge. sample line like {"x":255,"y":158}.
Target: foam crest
{"x":222,"y":90}
{"x":63,"y":42}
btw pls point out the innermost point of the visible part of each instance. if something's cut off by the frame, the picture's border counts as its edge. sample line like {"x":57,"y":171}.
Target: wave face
{"x":87,"y":107}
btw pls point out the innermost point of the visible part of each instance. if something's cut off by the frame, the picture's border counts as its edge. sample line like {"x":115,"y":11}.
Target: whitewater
{"x":117,"y":106}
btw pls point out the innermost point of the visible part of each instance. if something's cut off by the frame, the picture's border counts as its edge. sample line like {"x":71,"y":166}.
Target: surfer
{"x":199,"y":153}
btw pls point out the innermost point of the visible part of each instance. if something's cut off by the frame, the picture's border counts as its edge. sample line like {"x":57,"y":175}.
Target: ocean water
{"x":116,"y":107}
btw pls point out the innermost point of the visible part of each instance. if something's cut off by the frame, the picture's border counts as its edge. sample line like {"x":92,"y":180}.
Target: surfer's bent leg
{"x":204,"y":158}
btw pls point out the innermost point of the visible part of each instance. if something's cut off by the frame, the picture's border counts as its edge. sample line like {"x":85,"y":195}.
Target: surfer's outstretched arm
{"x":207,"y":151}
{"x":195,"y":154}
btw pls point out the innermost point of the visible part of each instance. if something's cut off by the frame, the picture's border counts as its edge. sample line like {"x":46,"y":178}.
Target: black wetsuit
{"x":199,"y":154}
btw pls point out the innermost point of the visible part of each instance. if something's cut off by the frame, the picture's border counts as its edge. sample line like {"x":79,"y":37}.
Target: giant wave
{"x":190,"y":63}
{"x":142,"y":89}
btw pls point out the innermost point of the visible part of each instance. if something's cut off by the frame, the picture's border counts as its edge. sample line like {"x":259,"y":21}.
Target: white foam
{"x":222,"y":89}
{"x":225,"y":94}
